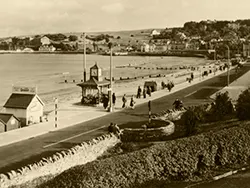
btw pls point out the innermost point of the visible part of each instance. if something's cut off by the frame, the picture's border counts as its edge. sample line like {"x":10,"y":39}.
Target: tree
{"x":243,"y":105}
{"x":118,"y":37}
{"x":73,"y":38}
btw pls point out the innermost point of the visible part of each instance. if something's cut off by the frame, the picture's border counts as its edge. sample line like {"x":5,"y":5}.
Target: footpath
{"x":236,"y":87}
{"x":70,"y":113}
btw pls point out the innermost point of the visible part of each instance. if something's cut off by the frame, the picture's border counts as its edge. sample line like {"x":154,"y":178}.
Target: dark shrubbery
{"x":190,"y":120}
{"x":222,"y":107}
{"x":179,"y":159}
{"x":89,"y":100}
{"x":243,"y":105}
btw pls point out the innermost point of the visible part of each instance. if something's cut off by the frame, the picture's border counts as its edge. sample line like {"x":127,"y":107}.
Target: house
{"x":45,"y":40}
{"x":28,"y":50}
{"x":8,"y":122}
{"x":147,"y":47}
{"x":47,"y":48}
{"x":174,"y":45}
{"x":246,"y":50}
{"x":154,"y":33}
{"x":27,"y":107}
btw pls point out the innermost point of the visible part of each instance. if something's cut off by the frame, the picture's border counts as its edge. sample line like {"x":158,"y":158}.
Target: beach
{"x":48,"y":72}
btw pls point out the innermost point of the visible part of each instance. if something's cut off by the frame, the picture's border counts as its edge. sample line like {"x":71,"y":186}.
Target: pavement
{"x":236,"y":87}
{"x":72,"y":113}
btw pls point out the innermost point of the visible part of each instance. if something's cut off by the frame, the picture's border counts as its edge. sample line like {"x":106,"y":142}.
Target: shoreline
{"x":180,"y":53}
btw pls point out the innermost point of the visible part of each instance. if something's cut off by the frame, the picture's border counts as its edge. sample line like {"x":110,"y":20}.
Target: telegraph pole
{"x":111,"y":79}
{"x":84,"y":57}
{"x":228,"y":65}
{"x":56,"y":107}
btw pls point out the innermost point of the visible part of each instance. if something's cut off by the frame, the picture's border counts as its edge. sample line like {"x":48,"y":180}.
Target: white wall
{"x":34,"y":111}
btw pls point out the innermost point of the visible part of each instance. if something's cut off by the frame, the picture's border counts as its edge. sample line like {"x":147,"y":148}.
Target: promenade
{"x":71,"y":113}
{"x":236,"y":87}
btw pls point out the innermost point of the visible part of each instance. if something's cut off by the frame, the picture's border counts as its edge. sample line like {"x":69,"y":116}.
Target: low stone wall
{"x":164,"y":128}
{"x":61,"y":161}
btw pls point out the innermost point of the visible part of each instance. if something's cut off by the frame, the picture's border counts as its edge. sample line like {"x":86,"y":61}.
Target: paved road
{"x":16,"y":155}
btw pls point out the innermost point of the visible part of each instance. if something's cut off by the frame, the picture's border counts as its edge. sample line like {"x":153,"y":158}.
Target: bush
{"x":222,"y":107}
{"x":189,"y":119}
{"x":178,"y":159}
{"x":243,"y":105}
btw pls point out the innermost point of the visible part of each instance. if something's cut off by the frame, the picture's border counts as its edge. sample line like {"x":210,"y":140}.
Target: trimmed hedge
{"x":178,"y":159}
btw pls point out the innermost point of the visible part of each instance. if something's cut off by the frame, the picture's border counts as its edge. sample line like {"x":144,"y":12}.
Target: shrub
{"x":222,"y":107}
{"x":243,"y":105}
{"x":189,"y":119}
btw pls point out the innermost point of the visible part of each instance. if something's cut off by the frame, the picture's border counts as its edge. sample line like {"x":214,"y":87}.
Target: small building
{"x":94,"y":87}
{"x":45,"y":40}
{"x":8,"y":122}
{"x":28,"y":50}
{"x":47,"y":48}
{"x":148,"y":47}
{"x":25,"y":105}
{"x":154,"y":33}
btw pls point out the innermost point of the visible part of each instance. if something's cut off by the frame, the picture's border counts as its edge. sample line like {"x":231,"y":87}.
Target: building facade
{"x":27,"y":107}
{"x":8,"y":122}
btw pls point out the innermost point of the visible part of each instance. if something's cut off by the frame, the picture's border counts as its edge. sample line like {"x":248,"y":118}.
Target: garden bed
{"x":181,"y":159}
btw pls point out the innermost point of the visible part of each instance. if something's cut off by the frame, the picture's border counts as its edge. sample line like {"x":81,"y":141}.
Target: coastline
{"x":177,"y":53}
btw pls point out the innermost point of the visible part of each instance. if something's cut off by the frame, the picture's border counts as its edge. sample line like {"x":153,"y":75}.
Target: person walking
{"x":132,"y":103}
{"x":113,"y":99}
{"x":149,"y":91}
{"x":124,"y":101}
{"x":138,"y":92}
{"x":105,"y":101}
{"x":144,"y":92}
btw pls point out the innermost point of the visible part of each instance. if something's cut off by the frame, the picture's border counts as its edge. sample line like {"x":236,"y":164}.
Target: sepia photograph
{"x":125,"y":94}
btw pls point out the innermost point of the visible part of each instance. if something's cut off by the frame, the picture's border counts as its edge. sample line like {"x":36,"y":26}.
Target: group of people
{"x":131,"y":104}
{"x":169,"y":85}
{"x":105,"y":100}
{"x":144,"y":92}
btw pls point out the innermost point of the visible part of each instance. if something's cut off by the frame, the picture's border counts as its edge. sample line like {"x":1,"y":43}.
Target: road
{"x":29,"y":151}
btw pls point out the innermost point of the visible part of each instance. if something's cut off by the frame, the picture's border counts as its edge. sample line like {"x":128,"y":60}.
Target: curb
{"x":215,"y":178}
{"x":229,"y":173}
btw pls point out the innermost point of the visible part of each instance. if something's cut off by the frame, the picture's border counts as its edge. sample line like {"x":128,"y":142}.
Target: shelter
{"x":25,"y":104}
{"x":9,"y":122}
{"x":151,"y":84}
{"x":93,"y":88}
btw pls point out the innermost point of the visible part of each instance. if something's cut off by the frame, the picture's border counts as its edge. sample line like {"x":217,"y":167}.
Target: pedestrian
{"x":144,"y":92}
{"x":132,"y":103}
{"x":138,"y":92}
{"x":149,"y":91}
{"x":105,"y":101}
{"x":113,"y":99}
{"x":124,"y":101}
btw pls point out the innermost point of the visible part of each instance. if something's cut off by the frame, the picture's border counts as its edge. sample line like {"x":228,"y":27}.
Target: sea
{"x":48,"y":72}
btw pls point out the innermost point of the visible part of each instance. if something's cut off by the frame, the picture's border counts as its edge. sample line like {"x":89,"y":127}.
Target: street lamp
{"x":111,"y":77}
{"x":228,"y":64}
{"x":84,"y":57}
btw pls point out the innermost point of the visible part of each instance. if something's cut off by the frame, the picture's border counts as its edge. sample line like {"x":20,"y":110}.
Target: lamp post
{"x":84,"y":57}
{"x":228,"y":65}
{"x":111,"y":77}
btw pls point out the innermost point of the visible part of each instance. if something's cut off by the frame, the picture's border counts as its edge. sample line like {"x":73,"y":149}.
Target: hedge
{"x":178,"y":159}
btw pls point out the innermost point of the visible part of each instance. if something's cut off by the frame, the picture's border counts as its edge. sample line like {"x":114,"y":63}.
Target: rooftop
{"x":22,"y":101}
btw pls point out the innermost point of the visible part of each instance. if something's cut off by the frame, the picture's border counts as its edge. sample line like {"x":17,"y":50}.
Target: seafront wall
{"x":61,"y":161}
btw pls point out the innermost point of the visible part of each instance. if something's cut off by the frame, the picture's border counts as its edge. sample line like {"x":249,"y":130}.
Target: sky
{"x":28,"y":17}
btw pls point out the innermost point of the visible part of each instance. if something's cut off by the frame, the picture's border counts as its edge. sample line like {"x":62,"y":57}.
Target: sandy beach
{"x":46,"y":72}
